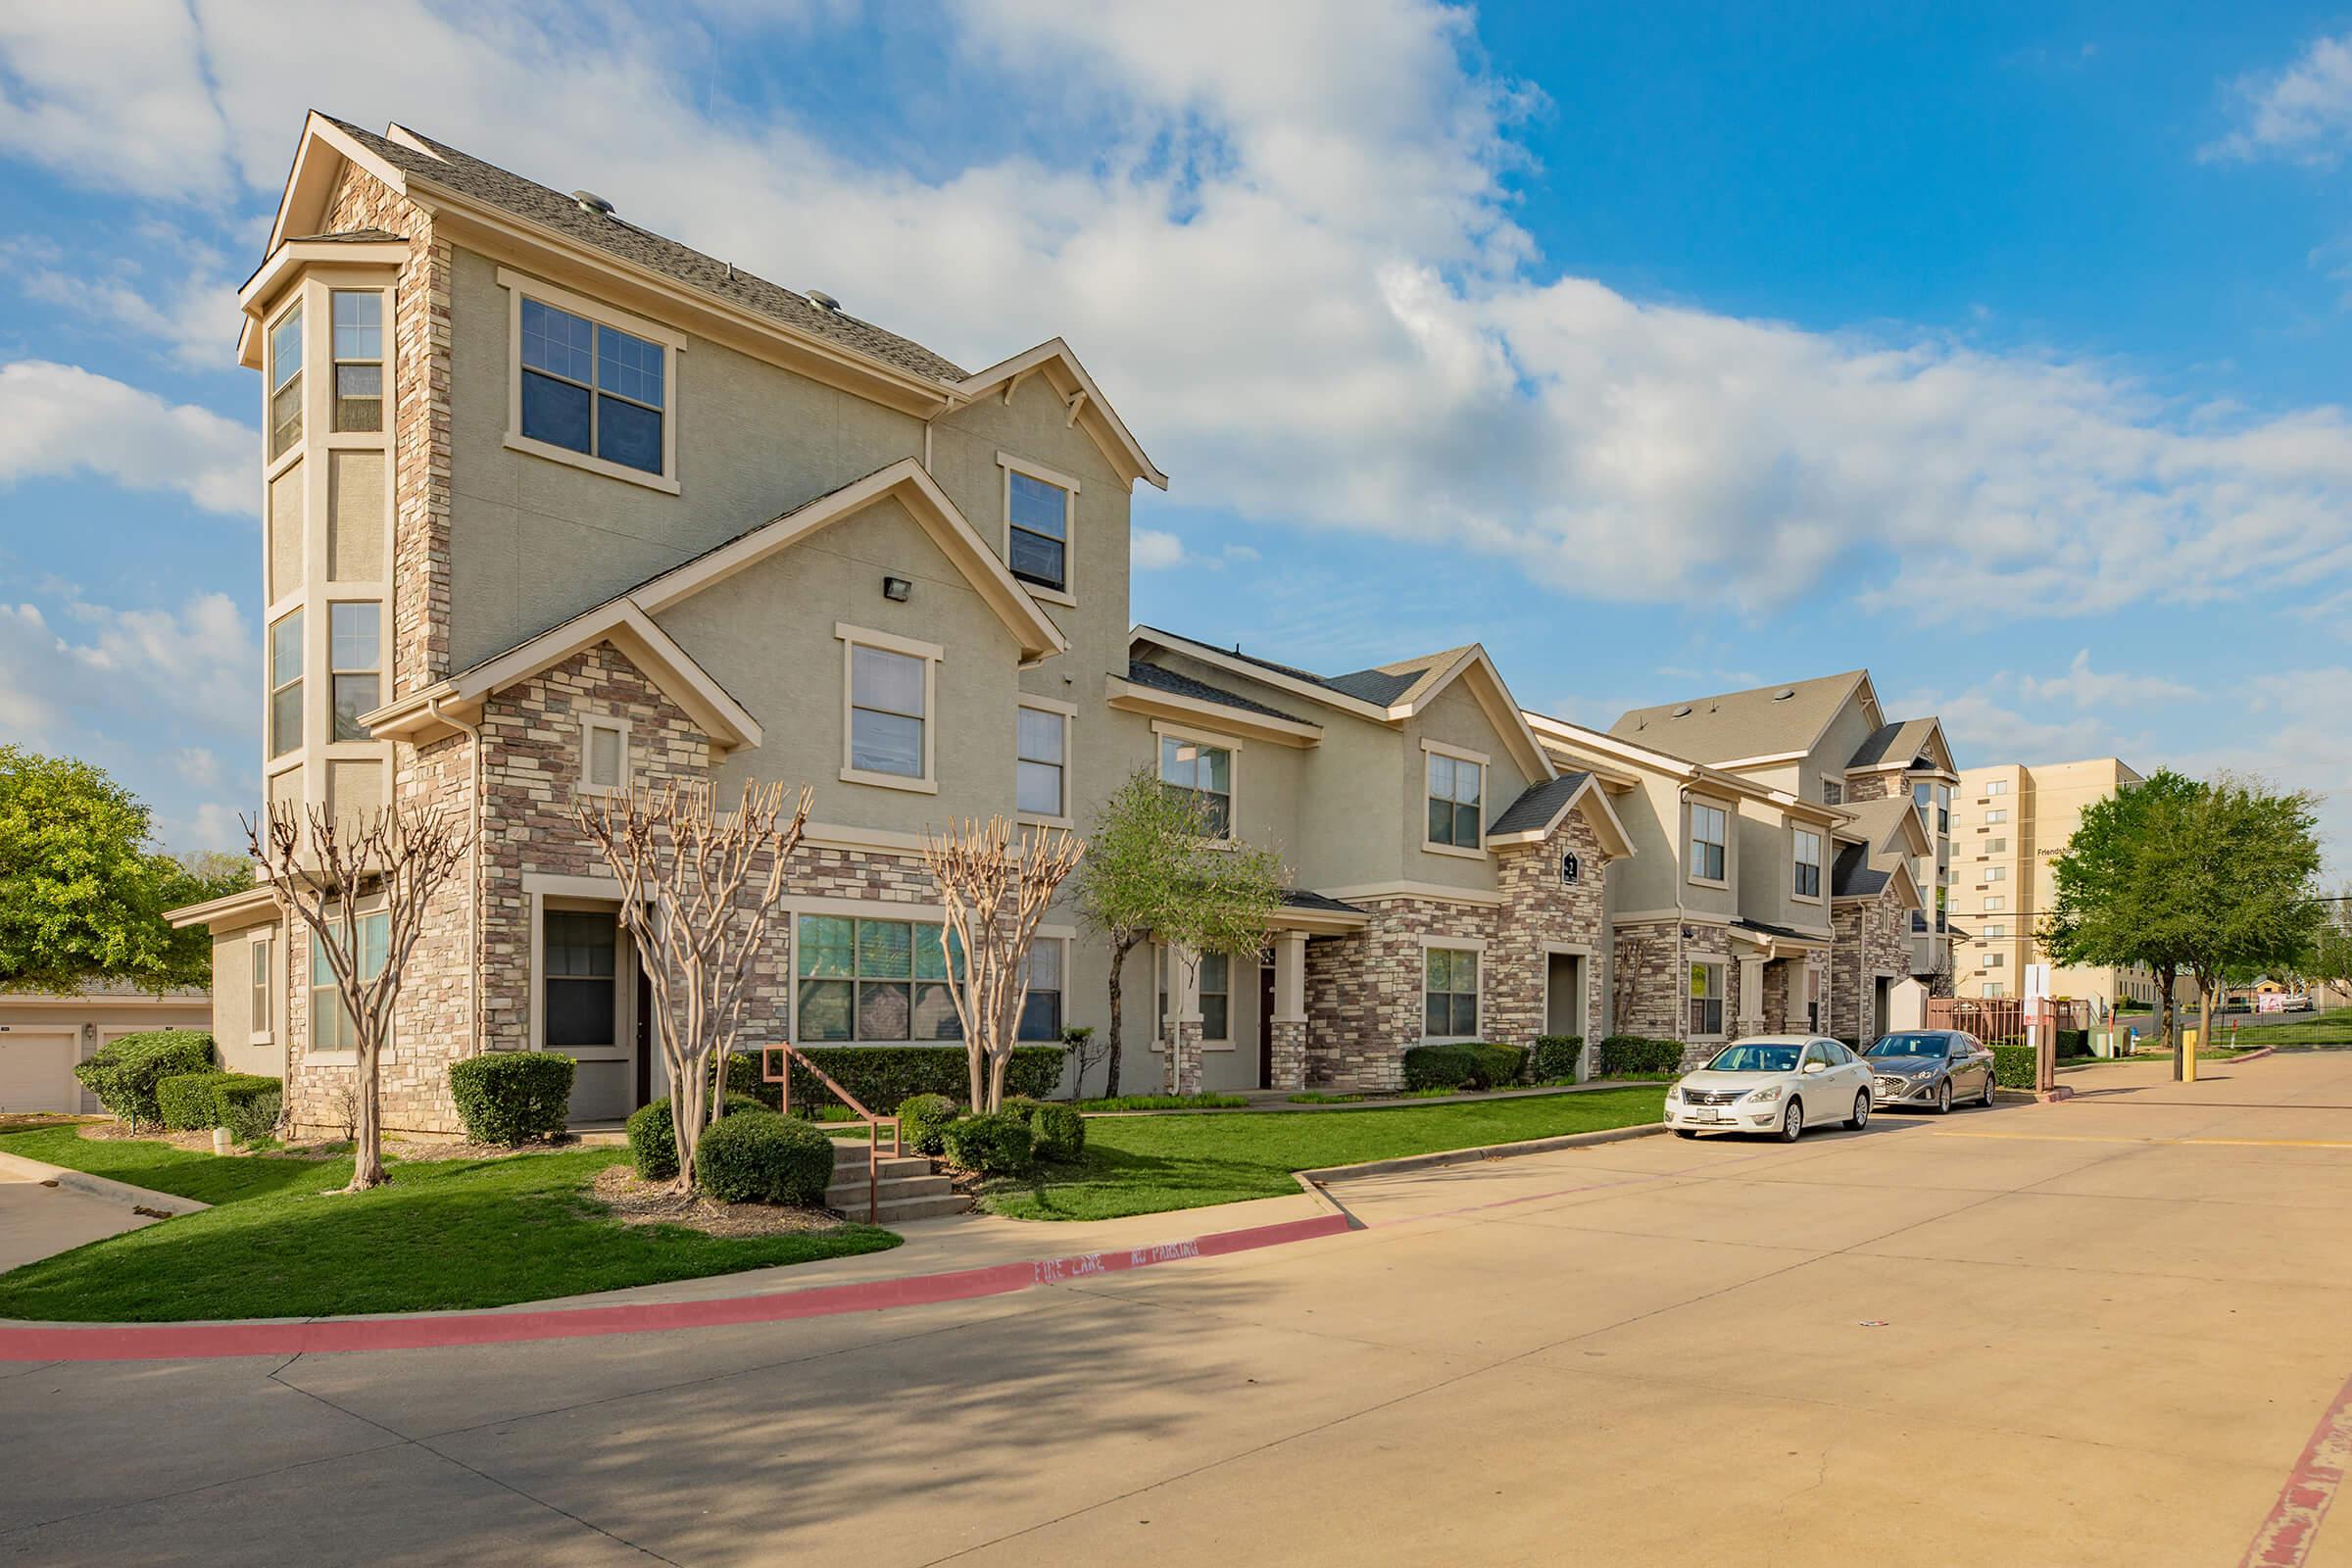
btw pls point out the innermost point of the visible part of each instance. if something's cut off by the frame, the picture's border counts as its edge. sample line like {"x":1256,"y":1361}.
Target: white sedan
{"x":1772,"y":1084}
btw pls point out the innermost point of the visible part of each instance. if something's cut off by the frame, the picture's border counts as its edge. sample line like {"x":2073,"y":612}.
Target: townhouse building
{"x":554,"y":504}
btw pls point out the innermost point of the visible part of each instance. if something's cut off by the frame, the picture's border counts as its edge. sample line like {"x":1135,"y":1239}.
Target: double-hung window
{"x":332,"y":1027}
{"x":356,"y":662}
{"x":592,"y":388}
{"x":1809,"y":864}
{"x":285,"y":684}
{"x":1037,"y":524}
{"x":879,"y":980}
{"x":259,"y":1010}
{"x":1040,"y":772}
{"x":1201,"y":776}
{"x":1041,"y":1010}
{"x":359,"y":352}
{"x":1708,"y":838}
{"x":1456,"y":786}
{"x":1450,"y":993}
{"x":1216,"y":997}
{"x":1706,"y":998}
{"x":1832,"y":792}
{"x":886,"y":709}
{"x":285,"y":382}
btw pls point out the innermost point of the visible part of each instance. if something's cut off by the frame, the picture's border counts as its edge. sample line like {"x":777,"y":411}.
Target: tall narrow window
{"x":1456,"y":786}
{"x":590,"y":388}
{"x":285,"y":684}
{"x":887,"y":712}
{"x":1708,"y":840}
{"x":258,"y":1011}
{"x":581,"y":959}
{"x":1809,"y":864}
{"x":1041,"y":1010}
{"x":1202,"y":776}
{"x":1043,"y":742}
{"x":285,"y":382}
{"x":1706,"y":998}
{"x":1037,"y":516}
{"x":359,"y":349}
{"x":331,"y":1024}
{"x":1216,"y":997}
{"x":1450,"y":993}
{"x":356,"y":662}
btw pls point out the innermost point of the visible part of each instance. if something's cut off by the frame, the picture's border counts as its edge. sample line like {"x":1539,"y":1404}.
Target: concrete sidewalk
{"x":37,"y":1219}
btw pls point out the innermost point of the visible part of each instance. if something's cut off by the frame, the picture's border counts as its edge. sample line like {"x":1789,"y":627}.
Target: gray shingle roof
{"x":550,"y":208}
{"x":1853,"y":877}
{"x":1307,"y":899}
{"x":1177,"y":685}
{"x":1538,"y":805}
{"x":1900,"y":742}
{"x":1759,"y":723}
{"x":1770,"y":930}
{"x":1379,"y":686}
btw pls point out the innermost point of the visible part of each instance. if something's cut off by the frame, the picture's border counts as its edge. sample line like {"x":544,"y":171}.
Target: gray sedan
{"x":1927,"y":1069}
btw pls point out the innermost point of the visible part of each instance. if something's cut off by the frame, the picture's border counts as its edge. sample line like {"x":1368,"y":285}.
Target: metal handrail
{"x":875,"y":1124}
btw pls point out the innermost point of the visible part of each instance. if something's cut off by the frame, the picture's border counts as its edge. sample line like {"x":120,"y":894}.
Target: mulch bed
{"x":636,"y":1202}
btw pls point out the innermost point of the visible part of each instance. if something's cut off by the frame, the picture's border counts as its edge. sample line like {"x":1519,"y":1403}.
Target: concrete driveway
{"x":37,"y":1220}
{"x":2100,"y":1332}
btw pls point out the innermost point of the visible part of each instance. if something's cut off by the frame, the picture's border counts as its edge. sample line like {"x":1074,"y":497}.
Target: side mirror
{"x":1816,"y":1066}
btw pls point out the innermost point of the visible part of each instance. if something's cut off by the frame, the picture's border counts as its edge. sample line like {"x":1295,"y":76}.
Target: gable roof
{"x":1782,"y":720}
{"x":1880,"y":823}
{"x":1541,"y":807}
{"x":1901,"y":745}
{"x":1851,"y":875}
{"x":1085,"y":402}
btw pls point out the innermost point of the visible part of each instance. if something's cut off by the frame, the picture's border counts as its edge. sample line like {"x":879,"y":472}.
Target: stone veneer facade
{"x":1872,"y":938}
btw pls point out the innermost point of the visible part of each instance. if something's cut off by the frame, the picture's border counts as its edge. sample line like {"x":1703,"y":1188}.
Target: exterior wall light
{"x":897,"y":588}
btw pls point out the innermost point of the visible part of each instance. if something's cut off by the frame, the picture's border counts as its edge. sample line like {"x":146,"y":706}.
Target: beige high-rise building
{"x":2008,"y":823}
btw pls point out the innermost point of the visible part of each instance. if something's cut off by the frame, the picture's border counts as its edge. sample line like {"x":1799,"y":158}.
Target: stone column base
{"x":1187,"y":1048}
{"x":1290,"y":1053}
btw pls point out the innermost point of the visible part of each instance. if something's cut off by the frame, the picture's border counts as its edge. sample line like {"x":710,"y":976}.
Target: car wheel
{"x":1944,"y":1097}
{"x":1985,"y":1099}
{"x":1685,"y":1132}
{"x":1861,"y":1116}
{"x":1793,"y":1121}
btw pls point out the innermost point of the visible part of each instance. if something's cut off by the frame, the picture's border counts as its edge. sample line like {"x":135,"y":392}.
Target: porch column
{"x":1751,"y":996}
{"x":1181,"y":1029}
{"x":1286,"y":1029}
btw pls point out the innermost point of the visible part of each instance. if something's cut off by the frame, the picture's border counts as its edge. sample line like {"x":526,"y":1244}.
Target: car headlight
{"x":1761,"y":1096}
{"x":1674,"y":1091}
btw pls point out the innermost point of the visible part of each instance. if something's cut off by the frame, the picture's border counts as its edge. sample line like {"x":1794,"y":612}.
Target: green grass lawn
{"x":284,"y":1243}
{"x":2320,"y":1029}
{"x":1150,"y":1164}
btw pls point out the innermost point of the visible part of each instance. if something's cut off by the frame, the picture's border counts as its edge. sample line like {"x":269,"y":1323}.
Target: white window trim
{"x":1067,"y":713}
{"x":1486,"y":769}
{"x":1477,"y":945}
{"x":589,"y":726}
{"x":1162,"y":728}
{"x":260,"y":943}
{"x":1830,"y":781}
{"x":1821,"y":865}
{"x":853,"y":637}
{"x":1010,"y":464}
{"x":1691,"y":809}
{"x":1719,"y":961}
{"x":311,"y":1055}
{"x":673,"y":344}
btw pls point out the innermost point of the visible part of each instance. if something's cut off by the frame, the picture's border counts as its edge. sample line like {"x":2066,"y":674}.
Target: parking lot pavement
{"x":2095,"y":1332}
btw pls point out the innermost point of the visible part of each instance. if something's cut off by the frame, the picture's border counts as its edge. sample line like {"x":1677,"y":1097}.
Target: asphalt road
{"x":2099,"y":1332}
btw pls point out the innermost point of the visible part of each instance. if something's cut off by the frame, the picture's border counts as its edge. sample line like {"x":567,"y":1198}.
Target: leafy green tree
{"x":2112,"y":901}
{"x":1153,"y":870}
{"x":2330,"y":960}
{"x":2242,"y":862}
{"x":83,"y":891}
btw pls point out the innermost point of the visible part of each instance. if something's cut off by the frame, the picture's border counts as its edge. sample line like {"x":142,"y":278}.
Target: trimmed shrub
{"x":1637,"y":1057}
{"x":1438,"y":1066}
{"x":886,"y":1075}
{"x":2073,"y":1043}
{"x":1057,"y":1128}
{"x":507,"y":1097}
{"x":1556,"y":1055}
{"x":1000,"y":1144}
{"x":762,"y":1158}
{"x":186,"y":1102}
{"x":653,"y":1142}
{"x":1496,"y":1067}
{"x":921,"y":1119}
{"x":249,"y":1106}
{"x":125,"y":1073}
{"x":2014,"y":1067}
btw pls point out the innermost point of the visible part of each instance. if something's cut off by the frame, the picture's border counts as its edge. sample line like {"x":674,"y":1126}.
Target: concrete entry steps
{"x":905,"y":1187}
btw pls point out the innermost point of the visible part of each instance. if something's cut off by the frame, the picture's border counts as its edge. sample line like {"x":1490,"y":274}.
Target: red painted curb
{"x":2285,"y":1537}
{"x":157,"y":1342}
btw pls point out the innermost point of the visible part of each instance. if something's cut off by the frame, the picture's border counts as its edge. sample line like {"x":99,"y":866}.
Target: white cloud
{"x":1296,"y":269}
{"x":1153,"y":550}
{"x":191,"y":314}
{"x":2085,"y":687}
{"x":2303,"y":113}
{"x":60,"y":420}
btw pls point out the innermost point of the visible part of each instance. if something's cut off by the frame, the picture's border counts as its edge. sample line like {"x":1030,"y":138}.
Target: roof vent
{"x":823,"y":301}
{"x":1784,"y":694}
{"x":591,"y":201}
{"x":1683,"y":712}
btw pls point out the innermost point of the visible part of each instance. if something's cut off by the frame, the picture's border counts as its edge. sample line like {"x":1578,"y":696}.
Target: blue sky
{"x":1662,"y":349}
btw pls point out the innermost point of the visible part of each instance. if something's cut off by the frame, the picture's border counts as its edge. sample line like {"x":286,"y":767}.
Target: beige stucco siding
{"x":535,"y":540}
{"x":1454,"y":717}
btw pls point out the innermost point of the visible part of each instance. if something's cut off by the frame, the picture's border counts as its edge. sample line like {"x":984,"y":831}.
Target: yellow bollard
{"x":2189,"y":1056}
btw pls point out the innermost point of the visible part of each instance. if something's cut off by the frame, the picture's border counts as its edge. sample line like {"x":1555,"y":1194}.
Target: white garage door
{"x":36,"y":1071}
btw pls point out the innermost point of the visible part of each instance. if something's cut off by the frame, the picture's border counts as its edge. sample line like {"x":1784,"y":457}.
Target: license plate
{"x":1707,"y":1114}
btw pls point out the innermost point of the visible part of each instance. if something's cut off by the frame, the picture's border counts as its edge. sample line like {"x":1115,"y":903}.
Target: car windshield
{"x":1908,"y":1045}
{"x":1756,"y":1059}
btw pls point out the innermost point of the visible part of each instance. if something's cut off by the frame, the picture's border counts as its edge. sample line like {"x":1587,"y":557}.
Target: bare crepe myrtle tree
{"x":996,"y":892}
{"x":697,"y":889}
{"x":322,"y":867}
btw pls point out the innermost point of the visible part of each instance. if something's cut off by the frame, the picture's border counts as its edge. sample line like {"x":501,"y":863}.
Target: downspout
{"x":474,"y":879}
{"x":1682,"y":880}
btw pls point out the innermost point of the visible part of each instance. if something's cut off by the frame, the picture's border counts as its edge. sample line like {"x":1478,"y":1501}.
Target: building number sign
{"x":1570,"y":868}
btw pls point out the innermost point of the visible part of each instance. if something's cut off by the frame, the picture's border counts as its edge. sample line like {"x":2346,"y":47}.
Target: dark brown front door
{"x":1265,"y":1026}
{"x":645,"y":1037}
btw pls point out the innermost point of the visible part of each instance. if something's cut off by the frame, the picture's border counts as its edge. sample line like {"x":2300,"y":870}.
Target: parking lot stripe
{"x":2286,"y":1535}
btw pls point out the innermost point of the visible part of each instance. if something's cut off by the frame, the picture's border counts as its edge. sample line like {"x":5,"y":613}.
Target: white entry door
{"x":37,"y":1070}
